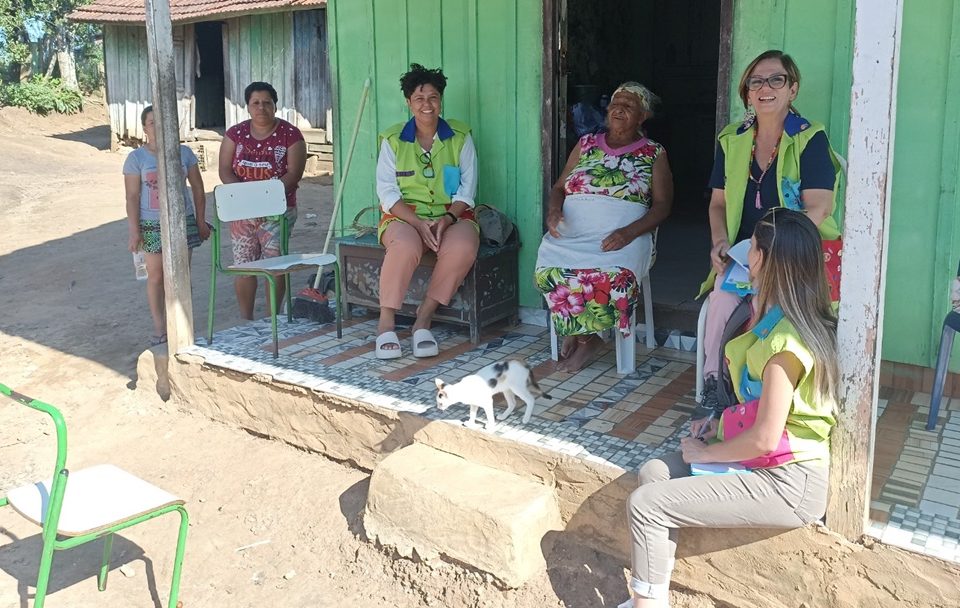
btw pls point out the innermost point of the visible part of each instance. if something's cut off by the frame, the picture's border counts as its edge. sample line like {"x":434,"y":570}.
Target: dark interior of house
{"x":672,"y":47}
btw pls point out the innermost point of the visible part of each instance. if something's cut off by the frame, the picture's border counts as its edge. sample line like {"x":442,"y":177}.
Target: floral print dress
{"x":588,"y":300}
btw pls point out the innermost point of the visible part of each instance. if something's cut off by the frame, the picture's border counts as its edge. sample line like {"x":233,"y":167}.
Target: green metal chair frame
{"x":216,"y":267}
{"x":54,"y":541}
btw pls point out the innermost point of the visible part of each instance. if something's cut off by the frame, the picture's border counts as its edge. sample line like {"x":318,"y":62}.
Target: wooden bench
{"x":490,"y":291}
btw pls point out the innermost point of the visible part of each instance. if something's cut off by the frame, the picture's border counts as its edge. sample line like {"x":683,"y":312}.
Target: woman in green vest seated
{"x":774,"y":158}
{"x":426,"y":183}
{"x":769,"y":464}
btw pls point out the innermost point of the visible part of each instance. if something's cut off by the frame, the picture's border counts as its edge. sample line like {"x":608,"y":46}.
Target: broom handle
{"x":343,"y":176}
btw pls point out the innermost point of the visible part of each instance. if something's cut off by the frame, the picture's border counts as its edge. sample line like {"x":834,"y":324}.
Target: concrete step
{"x":439,"y":504}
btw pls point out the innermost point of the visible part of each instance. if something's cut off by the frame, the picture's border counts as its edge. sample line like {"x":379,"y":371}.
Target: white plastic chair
{"x":248,"y":200}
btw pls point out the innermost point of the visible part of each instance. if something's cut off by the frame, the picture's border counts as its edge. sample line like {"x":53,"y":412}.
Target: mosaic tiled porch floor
{"x":599,"y":416}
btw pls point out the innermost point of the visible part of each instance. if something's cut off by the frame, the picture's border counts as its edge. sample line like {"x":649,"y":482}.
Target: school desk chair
{"x":76,"y":507}
{"x":250,"y":200}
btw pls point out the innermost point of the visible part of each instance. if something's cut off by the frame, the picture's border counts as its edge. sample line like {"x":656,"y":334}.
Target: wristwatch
{"x":453,"y":218}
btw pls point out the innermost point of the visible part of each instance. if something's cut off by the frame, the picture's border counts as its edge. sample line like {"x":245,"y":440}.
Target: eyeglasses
{"x":777,"y":81}
{"x":427,"y":165}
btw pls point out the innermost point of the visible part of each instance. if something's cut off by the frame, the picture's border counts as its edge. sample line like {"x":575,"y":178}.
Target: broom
{"x":311,"y":302}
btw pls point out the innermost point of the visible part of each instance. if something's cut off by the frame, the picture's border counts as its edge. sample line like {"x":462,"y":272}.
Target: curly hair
{"x":419,"y":76}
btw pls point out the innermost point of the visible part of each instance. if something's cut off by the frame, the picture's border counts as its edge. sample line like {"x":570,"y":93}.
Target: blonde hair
{"x":789,"y":67}
{"x":792,"y":276}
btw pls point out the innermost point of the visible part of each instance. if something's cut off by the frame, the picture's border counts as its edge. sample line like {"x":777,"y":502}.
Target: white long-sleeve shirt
{"x":388,"y":190}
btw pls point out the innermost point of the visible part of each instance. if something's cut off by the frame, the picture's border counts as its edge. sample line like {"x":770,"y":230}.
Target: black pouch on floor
{"x":734,"y":327}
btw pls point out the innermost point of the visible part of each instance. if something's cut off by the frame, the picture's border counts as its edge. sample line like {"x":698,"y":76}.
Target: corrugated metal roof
{"x":132,"y":11}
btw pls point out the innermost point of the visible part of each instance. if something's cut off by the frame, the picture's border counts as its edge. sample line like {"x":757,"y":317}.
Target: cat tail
{"x":532,"y":383}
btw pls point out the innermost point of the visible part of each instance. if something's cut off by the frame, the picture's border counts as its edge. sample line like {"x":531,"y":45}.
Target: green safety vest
{"x":429,"y":196}
{"x":736,"y":141}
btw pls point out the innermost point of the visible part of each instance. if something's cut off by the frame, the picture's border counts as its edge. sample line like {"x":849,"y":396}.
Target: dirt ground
{"x":269,"y":523}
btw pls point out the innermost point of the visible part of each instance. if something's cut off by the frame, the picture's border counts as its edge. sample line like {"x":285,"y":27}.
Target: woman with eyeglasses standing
{"x":773,"y":158}
{"x":426,"y":183}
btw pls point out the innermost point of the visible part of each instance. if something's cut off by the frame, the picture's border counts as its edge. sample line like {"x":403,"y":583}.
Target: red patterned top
{"x":260,"y":159}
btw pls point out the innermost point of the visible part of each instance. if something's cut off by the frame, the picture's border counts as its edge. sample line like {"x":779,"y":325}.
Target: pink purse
{"x":741,"y":416}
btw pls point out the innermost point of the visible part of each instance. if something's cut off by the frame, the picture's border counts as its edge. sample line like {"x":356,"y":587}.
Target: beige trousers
{"x":458,"y":251}
{"x":669,"y":498}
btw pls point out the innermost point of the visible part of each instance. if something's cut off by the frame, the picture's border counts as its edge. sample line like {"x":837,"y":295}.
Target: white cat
{"x":513,"y":378}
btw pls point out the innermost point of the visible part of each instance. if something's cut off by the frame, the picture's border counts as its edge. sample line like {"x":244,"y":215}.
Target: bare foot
{"x":569,"y":345}
{"x":587,"y":346}
{"x":383,"y":328}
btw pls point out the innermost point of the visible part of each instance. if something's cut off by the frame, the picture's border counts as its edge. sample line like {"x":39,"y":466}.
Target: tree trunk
{"x":68,"y":69}
{"x":53,"y":64}
{"x":26,"y":67}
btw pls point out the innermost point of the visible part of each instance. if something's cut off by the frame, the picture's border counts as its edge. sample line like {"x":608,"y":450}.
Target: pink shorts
{"x":258,"y":238}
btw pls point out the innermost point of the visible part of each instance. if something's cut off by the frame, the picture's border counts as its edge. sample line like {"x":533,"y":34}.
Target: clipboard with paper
{"x":737,"y":278}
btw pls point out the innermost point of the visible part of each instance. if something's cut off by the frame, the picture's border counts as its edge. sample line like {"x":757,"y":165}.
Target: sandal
{"x":158,"y":340}
{"x":388,"y":337}
{"x":424,"y":344}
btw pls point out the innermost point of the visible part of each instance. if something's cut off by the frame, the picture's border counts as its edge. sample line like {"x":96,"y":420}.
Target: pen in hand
{"x":706,"y":425}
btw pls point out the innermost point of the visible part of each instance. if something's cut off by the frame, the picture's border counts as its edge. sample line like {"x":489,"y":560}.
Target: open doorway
{"x":209,"y":84}
{"x":674,"y":48}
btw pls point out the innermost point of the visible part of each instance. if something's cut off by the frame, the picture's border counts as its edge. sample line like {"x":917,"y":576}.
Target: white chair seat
{"x":96,"y":499}
{"x":285,"y":263}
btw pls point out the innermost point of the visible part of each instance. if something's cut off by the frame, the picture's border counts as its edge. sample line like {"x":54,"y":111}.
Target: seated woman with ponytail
{"x":776,"y":439}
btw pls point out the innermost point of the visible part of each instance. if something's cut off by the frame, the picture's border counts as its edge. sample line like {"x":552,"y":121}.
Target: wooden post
{"x":173,"y":233}
{"x":724,"y":65}
{"x":876,"y":46}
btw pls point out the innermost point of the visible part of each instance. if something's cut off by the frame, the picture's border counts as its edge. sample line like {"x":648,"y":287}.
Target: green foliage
{"x":43,"y":24}
{"x":42,"y":95}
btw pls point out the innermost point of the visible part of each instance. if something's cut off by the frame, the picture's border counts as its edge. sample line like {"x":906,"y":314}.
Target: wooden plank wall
{"x":924,"y":222}
{"x":312,"y":77}
{"x":259,"y":48}
{"x":128,"y":78}
{"x":128,"y":81}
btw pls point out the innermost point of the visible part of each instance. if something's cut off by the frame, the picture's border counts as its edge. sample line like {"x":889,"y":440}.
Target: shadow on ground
{"x":21,"y":560}
{"x":97,"y":137}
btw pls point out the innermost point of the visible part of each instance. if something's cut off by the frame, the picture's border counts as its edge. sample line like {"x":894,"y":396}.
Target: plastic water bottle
{"x":140,"y":265}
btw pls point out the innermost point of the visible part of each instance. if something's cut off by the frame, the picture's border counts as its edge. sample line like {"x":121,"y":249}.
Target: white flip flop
{"x":388,"y":337}
{"x":424,"y":344}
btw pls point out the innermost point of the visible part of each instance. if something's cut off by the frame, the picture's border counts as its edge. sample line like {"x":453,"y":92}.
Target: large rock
{"x":442,"y":505}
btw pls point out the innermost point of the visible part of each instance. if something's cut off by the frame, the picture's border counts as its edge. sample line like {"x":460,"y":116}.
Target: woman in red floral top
{"x":264,"y":147}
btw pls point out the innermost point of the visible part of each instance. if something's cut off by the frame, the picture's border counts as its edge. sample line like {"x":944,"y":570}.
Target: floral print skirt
{"x":587,"y":301}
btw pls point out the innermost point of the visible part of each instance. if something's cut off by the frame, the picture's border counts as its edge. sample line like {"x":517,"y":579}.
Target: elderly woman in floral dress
{"x":615,"y":189}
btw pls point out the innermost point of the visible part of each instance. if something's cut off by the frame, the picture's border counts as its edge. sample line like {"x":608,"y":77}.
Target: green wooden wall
{"x":924,"y":222}
{"x":490,"y":51}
